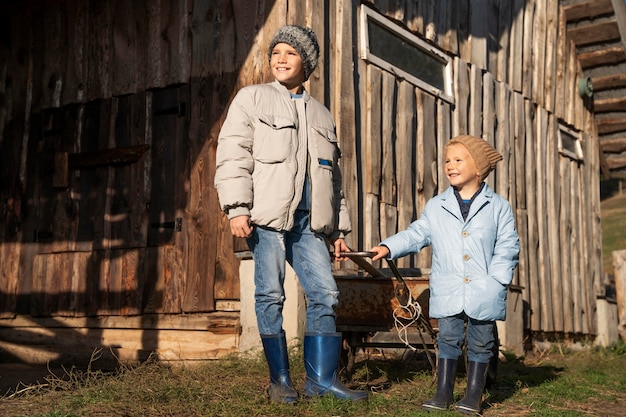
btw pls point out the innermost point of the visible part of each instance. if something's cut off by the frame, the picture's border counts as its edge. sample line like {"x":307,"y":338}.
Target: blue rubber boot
{"x":321,"y":360}
{"x":281,"y":388}
{"x":446,"y":373}
{"x":476,"y":377}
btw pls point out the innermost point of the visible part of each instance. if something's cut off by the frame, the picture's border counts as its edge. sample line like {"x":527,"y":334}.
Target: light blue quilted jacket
{"x":473,"y":260}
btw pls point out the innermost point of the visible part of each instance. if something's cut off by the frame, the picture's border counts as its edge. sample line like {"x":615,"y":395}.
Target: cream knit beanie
{"x":484,"y":155}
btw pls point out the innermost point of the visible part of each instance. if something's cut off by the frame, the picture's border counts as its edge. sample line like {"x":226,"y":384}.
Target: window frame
{"x":365,"y":54}
{"x":577,"y":154}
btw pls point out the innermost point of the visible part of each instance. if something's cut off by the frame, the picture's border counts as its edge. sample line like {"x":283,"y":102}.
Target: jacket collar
{"x":449,"y":202}
{"x":284,"y":92}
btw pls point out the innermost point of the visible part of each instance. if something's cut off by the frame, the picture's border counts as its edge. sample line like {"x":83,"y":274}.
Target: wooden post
{"x":619,"y":264}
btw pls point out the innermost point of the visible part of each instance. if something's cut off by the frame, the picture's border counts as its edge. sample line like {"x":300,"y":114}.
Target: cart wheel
{"x":346,"y":358}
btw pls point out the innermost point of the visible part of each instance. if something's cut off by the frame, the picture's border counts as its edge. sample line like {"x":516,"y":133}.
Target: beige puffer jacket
{"x":258,"y":173}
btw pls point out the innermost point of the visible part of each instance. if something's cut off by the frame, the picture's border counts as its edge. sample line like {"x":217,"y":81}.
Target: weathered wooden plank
{"x":543,"y":254}
{"x":99,"y":51}
{"x":594,"y":32}
{"x":615,"y":145}
{"x":405,"y":125}
{"x":532,"y":243}
{"x":202,"y":237}
{"x":619,"y":263}
{"x":615,"y":104}
{"x":342,"y":105}
{"x":475,"y":115}
{"x":611,"y":125}
{"x":503,"y":41}
{"x":539,"y":46}
{"x":489,"y":114}
{"x":77,"y":345}
{"x":54,"y":54}
{"x":462,"y":103}
{"x":527,"y":55}
{"x":608,"y":82}
{"x":516,"y":43}
{"x":551,"y":59}
{"x":554,"y":222}
{"x":9,"y":277}
{"x":502,"y":142}
{"x":75,"y":75}
{"x":567,"y":249}
{"x":586,"y":9}
{"x":371,"y":160}
{"x":606,"y":56}
{"x":444,"y":129}
{"x":561,"y":66}
{"x":425,"y":159}
{"x":162,"y":288}
{"x":479,"y":12}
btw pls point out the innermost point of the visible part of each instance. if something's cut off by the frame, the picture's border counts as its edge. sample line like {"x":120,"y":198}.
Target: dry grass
{"x":555,"y":382}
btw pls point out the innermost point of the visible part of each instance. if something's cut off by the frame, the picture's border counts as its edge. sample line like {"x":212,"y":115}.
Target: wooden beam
{"x":587,"y":34}
{"x":609,"y":82}
{"x":616,"y":163}
{"x":615,"y":145}
{"x":587,"y":9}
{"x":611,"y":125}
{"x":606,"y":56}
{"x":609,"y":105}
{"x":63,"y":161}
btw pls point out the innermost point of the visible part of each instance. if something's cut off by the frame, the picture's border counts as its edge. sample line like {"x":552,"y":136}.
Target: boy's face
{"x":287,"y":67}
{"x":461,"y":169}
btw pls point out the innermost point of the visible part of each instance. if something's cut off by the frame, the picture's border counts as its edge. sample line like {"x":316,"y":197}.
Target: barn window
{"x":395,"y":49}
{"x":569,"y":143}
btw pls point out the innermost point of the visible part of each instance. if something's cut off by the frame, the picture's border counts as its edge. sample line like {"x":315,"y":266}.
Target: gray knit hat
{"x":302,"y":40}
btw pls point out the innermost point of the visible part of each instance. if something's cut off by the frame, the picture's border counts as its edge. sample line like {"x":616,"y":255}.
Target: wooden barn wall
{"x":109,"y":116}
{"x":515,"y":80}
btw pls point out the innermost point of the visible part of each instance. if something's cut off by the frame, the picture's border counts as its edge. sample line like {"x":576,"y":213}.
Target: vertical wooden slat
{"x":343,"y":108}
{"x":404,"y":149}
{"x":543,"y":258}
{"x":371,"y":160}
{"x":551,"y":58}
{"x":502,"y":143}
{"x":516,"y":43}
{"x":527,"y":63}
{"x":478,"y":32}
{"x":565,"y":227}
{"x":388,"y":186}
{"x":503,"y":42}
{"x":554,"y":219}
{"x":462,"y":99}
{"x":532,"y":245}
{"x":539,"y":52}
{"x":475,"y":116}
{"x":425,"y":157}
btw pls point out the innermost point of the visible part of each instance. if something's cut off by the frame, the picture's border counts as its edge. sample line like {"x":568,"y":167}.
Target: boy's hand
{"x":340,"y":246}
{"x":240,"y":226}
{"x":380,"y":251}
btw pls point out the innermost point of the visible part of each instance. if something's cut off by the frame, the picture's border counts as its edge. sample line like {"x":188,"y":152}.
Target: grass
{"x":613,"y":219}
{"x":613,"y":211}
{"x":552,"y":383}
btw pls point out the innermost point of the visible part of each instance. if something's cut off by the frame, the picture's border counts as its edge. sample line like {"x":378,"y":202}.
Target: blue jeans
{"x":308,"y":254}
{"x":480,"y":338}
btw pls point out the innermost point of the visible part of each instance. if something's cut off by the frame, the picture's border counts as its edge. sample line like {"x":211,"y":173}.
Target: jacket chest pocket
{"x":273,"y":138}
{"x":326,"y":147}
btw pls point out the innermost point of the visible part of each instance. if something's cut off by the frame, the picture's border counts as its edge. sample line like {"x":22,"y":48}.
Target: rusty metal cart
{"x":389,"y":300}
